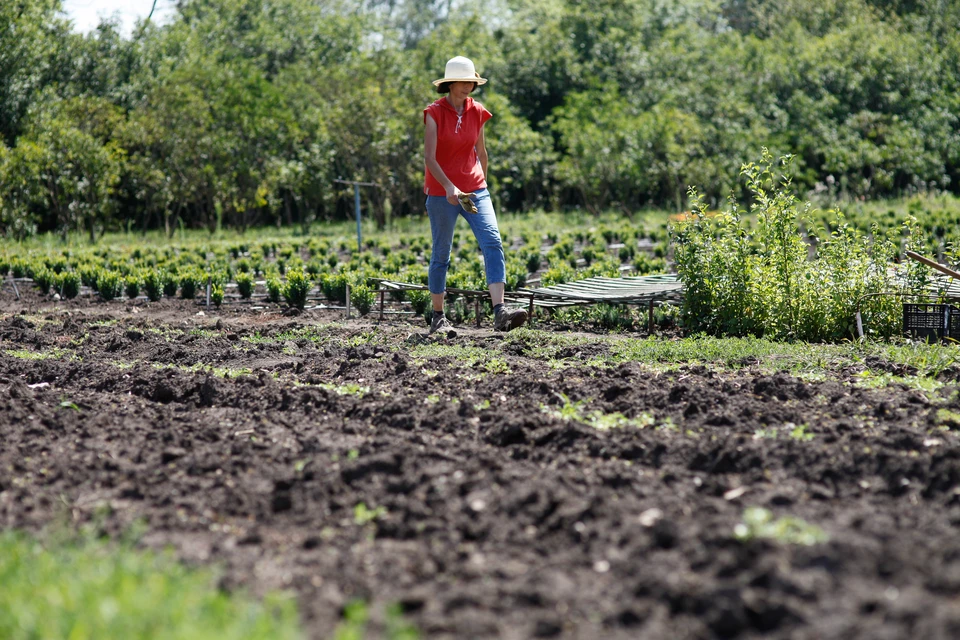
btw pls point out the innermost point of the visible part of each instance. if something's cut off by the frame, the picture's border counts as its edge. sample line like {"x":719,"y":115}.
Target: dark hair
{"x":444,"y":87}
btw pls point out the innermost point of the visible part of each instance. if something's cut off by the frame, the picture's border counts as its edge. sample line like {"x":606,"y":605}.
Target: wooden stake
{"x":348,"y":301}
{"x":650,"y":318}
{"x":381,"y":305}
{"x":936,"y":265}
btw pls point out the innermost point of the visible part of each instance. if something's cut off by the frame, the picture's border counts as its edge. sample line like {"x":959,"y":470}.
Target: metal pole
{"x":356,"y":205}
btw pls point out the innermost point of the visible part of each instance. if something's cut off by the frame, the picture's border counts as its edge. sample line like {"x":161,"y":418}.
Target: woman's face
{"x":460,"y":90}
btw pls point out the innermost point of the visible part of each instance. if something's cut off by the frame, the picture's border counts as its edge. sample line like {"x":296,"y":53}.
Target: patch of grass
{"x":596,"y":419}
{"x":948,"y":419}
{"x":220,"y":372}
{"x":52,"y":354}
{"x":463,"y":357}
{"x":802,"y":359}
{"x":760,"y":523}
{"x":356,"y":617}
{"x":88,"y":589}
{"x":346,"y":389}
{"x":871,"y":380}
{"x":362,"y":514}
{"x":544,"y":345}
{"x":207,"y":334}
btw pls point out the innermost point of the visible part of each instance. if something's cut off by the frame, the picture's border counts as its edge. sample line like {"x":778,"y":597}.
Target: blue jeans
{"x":443,"y":216}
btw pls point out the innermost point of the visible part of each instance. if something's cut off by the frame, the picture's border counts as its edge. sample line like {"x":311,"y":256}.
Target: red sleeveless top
{"x":457,"y":145}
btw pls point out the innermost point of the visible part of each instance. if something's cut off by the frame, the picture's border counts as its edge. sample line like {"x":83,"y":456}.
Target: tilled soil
{"x":476,"y":494}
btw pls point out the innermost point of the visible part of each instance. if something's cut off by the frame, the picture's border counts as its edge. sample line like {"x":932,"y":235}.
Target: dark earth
{"x":343,"y":460}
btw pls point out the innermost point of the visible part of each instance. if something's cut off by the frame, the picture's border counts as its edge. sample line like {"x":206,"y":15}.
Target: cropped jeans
{"x":443,"y":216}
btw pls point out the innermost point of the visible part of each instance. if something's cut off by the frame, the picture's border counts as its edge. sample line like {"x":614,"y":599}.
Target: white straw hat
{"x":460,"y":69}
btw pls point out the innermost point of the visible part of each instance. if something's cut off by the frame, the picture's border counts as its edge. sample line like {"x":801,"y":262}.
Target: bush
{"x":740,"y":281}
{"x":297,"y":288}
{"x":419,"y":300}
{"x":189,"y":283}
{"x":362,"y":297}
{"x":334,"y":286}
{"x":216,"y":294}
{"x":88,"y":276}
{"x":131,"y":286}
{"x":69,"y":284}
{"x":274,"y":287}
{"x":44,"y":278}
{"x":153,"y":284}
{"x":109,"y":284}
{"x":245,"y":285}
{"x":170,"y":284}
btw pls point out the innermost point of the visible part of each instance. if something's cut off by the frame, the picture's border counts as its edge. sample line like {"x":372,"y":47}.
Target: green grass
{"x":596,"y":419}
{"x":87,"y":589}
{"x":463,"y":357}
{"x":760,"y":523}
{"x":52,"y":354}
{"x":220,"y":372}
{"x":798,"y":358}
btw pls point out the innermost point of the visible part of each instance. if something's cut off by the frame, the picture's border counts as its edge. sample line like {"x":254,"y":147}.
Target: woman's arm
{"x":430,"y":156}
{"x":482,"y":153}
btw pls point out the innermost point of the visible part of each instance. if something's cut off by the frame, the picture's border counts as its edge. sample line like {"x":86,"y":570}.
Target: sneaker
{"x":440,"y":323}
{"x":509,"y":319}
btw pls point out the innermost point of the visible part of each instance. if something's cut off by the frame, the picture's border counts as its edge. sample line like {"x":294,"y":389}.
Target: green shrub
{"x":18,"y":268}
{"x":245,"y":285}
{"x":557,"y":275}
{"x":274,"y":288}
{"x":69,"y":284}
{"x":611,"y":316}
{"x":131,"y":286}
{"x":297,"y":288}
{"x":153,"y":284}
{"x":4,"y":267}
{"x":362,"y":298}
{"x":109,"y":284}
{"x":189,"y":283}
{"x":88,"y":276}
{"x":170,"y":284}
{"x":760,"y":281}
{"x":419,"y":300}
{"x":44,"y":278}
{"x":334,"y":286}
{"x":534,"y":260}
{"x":216,"y":294}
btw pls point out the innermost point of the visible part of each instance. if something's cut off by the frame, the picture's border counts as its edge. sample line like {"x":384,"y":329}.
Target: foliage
{"x":238,"y":114}
{"x":362,"y":297}
{"x":419,"y":301}
{"x":760,"y":523}
{"x":153,"y":284}
{"x":86,"y":589}
{"x":742,"y":281}
{"x":245,"y":285}
{"x":274,"y":289}
{"x":296,"y":288}
{"x":69,"y":284}
{"x":131,"y":286}
{"x":109,"y":285}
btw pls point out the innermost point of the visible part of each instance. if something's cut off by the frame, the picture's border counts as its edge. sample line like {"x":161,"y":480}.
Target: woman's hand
{"x":453,"y":195}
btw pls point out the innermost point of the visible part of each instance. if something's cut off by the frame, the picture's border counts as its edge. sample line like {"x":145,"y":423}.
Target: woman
{"x":456,"y":184}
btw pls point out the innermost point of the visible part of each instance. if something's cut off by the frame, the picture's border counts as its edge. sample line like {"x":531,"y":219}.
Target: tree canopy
{"x":244,"y":112}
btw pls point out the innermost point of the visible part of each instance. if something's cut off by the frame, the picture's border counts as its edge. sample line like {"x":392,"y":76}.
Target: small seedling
{"x":760,"y":523}
{"x":363,"y":515}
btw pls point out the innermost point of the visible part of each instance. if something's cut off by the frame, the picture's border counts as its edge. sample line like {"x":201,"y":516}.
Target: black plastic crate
{"x":931,"y":321}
